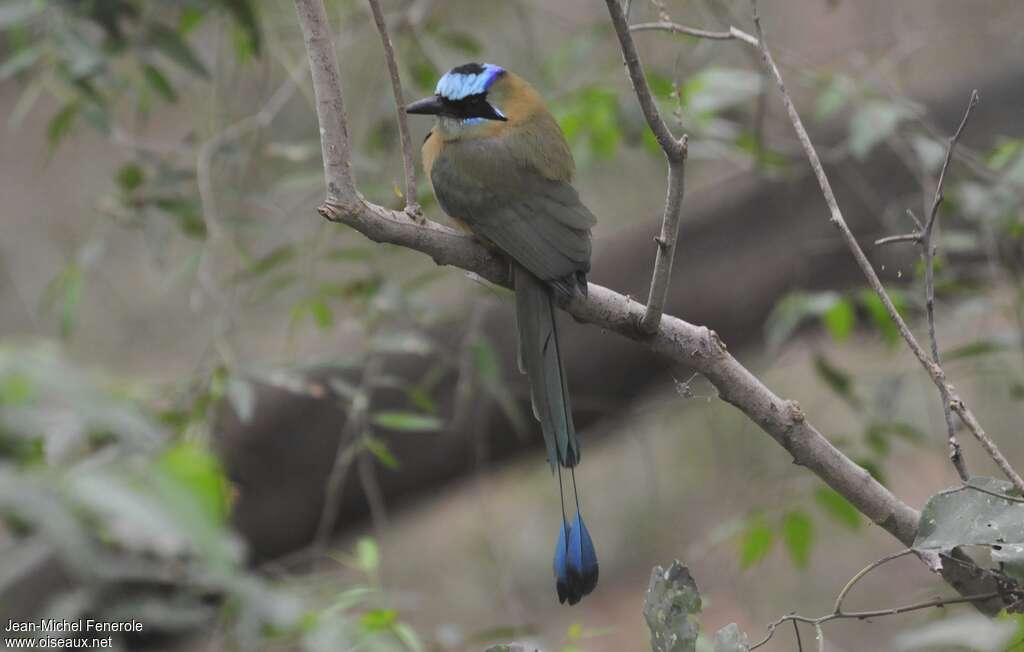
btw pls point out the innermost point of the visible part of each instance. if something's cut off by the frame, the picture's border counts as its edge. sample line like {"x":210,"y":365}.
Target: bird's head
{"x":478,"y":97}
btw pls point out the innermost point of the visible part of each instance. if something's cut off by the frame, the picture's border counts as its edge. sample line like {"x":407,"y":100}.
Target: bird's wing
{"x":538,"y":222}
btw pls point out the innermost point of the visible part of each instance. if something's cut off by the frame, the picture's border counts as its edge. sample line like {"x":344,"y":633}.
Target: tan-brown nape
{"x":515,"y":97}
{"x":532,"y":126}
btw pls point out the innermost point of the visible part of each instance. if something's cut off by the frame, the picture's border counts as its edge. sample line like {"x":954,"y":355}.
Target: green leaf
{"x":839,"y":319}
{"x":878,"y":435}
{"x":485,"y":360}
{"x":159,"y":82}
{"x":379,"y":449}
{"x":423,"y":72}
{"x":836,"y":379}
{"x":17,"y":389}
{"x":880,"y":316}
{"x":406,"y":421}
{"x":792,"y":310}
{"x":1004,"y":153}
{"x":838,"y":508}
{"x":60,"y":124}
{"x":130,"y":176}
{"x":661,"y":86}
{"x":316,"y":308}
{"x":350,"y":598}
{"x":245,"y":14}
{"x":170,"y":43}
{"x":488,"y":369}
{"x":591,"y":122}
{"x":731,"y":639}
{"x":970,"y":517}
{"x":408,"y":637}
{"x":877,"y":440}
{"x":197,"y":469}
{"x":836,"y":95}
{"x":714,"y":89}
{"x":185,"y":212}
{"x":64,"y":293}
{"x":747,"y":142}
{"x":245,"y":50}
{"x":798,"y":535}
{"x":379,"y":620}
{"x":873,"y":123}
{"x":269,"y":262}
{"x":20,"y":62}
{"x":976,"y":348}
{"x":367,"y":555}
{"x":422,"y":399}
{"x":189,"y":19}
{"x":756,"y":543}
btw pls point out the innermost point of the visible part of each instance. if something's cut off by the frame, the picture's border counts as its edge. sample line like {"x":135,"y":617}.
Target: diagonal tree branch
{"x":678,"y":341}
{"x":330,"y":106}
{"x":675,"y":152}
{"x":934,"y":370}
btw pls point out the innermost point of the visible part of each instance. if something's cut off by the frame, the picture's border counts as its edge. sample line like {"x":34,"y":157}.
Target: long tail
{"x":540,"y":358}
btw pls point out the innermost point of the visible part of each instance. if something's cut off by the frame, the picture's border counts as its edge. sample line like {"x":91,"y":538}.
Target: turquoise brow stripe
{"x":456,"y":86}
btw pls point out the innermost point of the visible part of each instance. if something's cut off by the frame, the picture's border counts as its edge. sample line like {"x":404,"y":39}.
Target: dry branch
{"x":679,"y":341}
{"x":675,"y":152}
{"x":956,"y":404}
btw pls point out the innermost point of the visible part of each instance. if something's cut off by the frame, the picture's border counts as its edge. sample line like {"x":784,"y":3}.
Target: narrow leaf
{"x":406,"y":421}
{"x":798,"y":535}
{"x":838,"y":508}
{"x":159,"y":82}
{"x":756,"y":543}
{"x":174,"y":47}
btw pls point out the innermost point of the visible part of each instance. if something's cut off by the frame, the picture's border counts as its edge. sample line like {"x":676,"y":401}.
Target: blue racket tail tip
{"x":575,"y":565}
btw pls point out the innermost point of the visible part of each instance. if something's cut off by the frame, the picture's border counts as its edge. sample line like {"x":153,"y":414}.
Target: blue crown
{"x":466,"y":80}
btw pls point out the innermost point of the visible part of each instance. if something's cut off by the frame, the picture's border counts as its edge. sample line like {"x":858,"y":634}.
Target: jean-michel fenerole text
{"x":63,"y":626}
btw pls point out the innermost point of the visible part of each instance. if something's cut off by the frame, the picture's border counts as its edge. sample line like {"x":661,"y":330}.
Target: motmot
{"x":500,"y":166}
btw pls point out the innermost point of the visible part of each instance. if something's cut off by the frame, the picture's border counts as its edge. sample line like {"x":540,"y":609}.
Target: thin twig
{"x":875,"y":613}
{"x":934,"y":370}
{"x":409,"y":162}
{"x":734,"y":33}
{"x":838,"y":608}
{"x":983,"y":490}
{"x":348,"y":449}
{"x":906,"y":237}
{"x":675,"y":152}
{"x":212,"y":221}
{"x":796,"y":632}
{"x":955,"y":453}
{"x":676,"y":28}
{"x":374,"y":495}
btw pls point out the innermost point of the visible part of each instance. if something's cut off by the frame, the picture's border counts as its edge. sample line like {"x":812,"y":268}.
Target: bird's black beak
{"x":427,"y":106}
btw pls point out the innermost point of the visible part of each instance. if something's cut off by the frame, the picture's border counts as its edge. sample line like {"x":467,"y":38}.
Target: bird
{"x":500,"y":167}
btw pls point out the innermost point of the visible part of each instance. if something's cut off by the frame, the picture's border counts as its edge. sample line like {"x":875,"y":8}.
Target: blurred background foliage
{"x":161,"y":259}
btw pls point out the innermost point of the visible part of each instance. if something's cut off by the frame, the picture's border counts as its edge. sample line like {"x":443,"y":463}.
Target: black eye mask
{"x":472,"y":106}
